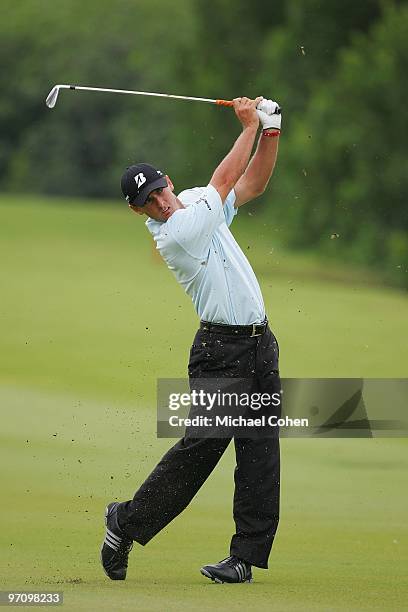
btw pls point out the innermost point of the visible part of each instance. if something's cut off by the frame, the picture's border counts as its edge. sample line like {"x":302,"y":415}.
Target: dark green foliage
{"x":346,"y":162}
{"x":337,"y":68}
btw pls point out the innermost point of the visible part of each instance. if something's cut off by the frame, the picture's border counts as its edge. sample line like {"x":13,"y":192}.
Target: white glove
{"x":269,"y":113}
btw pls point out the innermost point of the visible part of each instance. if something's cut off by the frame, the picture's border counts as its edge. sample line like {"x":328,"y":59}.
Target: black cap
{"x":140,"y":180}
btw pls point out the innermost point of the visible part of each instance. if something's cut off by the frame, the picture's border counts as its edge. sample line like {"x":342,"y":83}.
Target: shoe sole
{"x":207,"y":574}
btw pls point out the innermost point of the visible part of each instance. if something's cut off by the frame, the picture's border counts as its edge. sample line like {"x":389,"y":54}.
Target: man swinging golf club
{"x":192,"y":234}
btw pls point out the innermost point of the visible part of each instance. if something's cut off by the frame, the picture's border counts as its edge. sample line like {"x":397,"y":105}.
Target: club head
{"x":52,"y":97}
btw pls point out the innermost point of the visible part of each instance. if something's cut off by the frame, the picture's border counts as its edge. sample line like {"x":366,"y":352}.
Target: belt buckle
{"x":254,"y":326}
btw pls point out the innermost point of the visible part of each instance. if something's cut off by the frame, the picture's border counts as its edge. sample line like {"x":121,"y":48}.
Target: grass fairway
{"x":89,"y":319}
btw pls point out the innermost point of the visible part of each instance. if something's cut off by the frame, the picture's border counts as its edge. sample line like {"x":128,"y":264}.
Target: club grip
{"x":224,"y":102}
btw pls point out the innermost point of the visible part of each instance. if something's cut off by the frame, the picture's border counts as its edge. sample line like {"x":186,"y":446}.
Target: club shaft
{"x":138,"y":93}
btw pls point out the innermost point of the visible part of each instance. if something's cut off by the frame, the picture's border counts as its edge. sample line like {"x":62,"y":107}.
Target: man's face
{"x":160,"y":203}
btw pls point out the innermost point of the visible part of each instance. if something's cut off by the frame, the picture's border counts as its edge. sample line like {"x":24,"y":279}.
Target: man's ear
{"x":169,"y":183}
{"x":137,"y":209}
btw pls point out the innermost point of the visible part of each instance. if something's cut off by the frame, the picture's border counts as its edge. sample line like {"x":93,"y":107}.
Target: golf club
{"x":53,"y":95}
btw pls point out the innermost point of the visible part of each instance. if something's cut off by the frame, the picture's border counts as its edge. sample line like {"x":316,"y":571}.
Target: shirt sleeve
{"x":193,"y":227}
{"x":229,"y":209}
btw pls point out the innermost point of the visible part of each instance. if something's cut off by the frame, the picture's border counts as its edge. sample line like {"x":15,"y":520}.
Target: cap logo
{"x":140,"y":179}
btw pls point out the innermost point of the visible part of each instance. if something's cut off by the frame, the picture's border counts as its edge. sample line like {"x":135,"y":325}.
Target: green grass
{"x":89,"y":319}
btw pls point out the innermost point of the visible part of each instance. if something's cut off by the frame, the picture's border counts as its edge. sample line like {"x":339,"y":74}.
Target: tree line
{"x":338,"y":70}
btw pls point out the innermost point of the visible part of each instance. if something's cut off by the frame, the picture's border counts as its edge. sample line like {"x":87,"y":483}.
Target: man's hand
{"x":245,"y":110}
{"x":269,"y":113}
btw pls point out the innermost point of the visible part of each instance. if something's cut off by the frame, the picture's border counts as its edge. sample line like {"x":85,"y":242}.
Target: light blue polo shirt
{"x":200,"y":250}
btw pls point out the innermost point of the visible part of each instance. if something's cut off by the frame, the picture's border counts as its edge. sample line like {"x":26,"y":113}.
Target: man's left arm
{"x":259,"y":170}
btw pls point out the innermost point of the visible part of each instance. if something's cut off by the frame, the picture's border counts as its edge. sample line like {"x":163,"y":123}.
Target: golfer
{"x":234,"y":341}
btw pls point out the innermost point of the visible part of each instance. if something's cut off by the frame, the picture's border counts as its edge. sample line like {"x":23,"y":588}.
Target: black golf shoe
{"x":116,"y":546}
{"x":231,"y":569}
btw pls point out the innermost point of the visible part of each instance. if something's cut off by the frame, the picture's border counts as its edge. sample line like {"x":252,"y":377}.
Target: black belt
{"x":256,"y":329}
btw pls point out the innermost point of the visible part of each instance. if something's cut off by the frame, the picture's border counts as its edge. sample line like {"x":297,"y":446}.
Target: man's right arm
{"x":235,"y":163}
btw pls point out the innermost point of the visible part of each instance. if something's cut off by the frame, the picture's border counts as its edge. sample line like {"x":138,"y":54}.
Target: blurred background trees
{"x":337,"y":68}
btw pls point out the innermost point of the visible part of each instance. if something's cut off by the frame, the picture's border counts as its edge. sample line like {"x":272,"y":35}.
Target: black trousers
{"x":186,"y":466}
